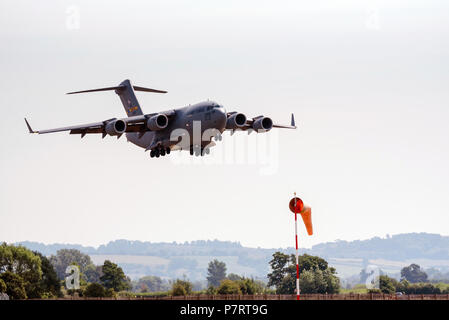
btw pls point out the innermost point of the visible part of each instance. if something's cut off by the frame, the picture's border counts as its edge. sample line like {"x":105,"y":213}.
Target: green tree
{"x":387,"y":284}
{"x":250,"y":286}
{"x":24,"y":263}
{"x":49,"y":285}
{"x":279,"y":265}
{"x":66,"y":257}
{"x":94,"y":290}
{"x":114,"y":277}
{"x":229,"y":287}
{"x":413,"y":273}
{"x":181,"y":288}
{"x":216,"y":272}
{"x":319,"y":278}
{"x":15,"y":286}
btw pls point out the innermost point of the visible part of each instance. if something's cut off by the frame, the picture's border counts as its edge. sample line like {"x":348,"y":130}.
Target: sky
{"x":367,"y":81}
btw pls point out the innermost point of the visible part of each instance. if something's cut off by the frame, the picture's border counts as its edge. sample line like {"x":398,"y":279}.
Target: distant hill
{"x":397,"y":247}
{"x":191,"y":258}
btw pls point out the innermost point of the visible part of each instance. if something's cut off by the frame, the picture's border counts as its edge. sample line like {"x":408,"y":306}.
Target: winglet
{"x":293,"y":120}
{"x":29,"y":127}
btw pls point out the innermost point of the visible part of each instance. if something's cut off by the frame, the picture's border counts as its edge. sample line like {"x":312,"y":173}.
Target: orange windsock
{"x":306,"y":215}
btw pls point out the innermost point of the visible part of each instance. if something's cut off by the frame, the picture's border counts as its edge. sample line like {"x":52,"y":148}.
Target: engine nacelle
{"x":263,"y":123}
{"x":115,"y":128}
{"x":235,"y":121}
{"x":157,"y":122}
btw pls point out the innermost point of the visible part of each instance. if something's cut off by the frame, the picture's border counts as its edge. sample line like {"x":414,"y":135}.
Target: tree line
{"x":29,"y":274}
{"x":26,"y":274}
{"x":413,"y":281}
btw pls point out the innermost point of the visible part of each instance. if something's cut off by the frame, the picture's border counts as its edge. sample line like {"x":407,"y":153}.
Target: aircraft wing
{"x":133,"y":124}
{"x":249,"y":123}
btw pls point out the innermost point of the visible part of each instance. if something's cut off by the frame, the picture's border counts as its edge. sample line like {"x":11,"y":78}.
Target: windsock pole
{"x":297,"y":258}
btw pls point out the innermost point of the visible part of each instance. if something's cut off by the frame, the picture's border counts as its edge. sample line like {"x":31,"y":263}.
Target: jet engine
{"x":115,"y":128}
{"x":263,"y":123}
{"x":157,"y":122}
{"x":236,"y":120}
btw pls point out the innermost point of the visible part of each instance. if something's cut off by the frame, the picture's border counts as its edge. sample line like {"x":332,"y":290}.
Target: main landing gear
{"x":157,"y":152}
{"x":199,"y":151}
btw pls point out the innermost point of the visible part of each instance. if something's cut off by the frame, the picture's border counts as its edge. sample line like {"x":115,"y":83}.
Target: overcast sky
{"x":367,"y":80}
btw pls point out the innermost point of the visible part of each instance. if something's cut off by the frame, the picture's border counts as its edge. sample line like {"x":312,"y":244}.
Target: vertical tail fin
{"x":129,"y":99}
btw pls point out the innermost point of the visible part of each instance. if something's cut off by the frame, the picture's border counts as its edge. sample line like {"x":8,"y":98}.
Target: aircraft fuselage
{"x":194,"y":120}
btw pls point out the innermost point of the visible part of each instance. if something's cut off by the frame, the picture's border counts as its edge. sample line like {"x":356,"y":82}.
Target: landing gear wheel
{"x":168,"y":150}
{"x":152,"y":154}
{"x":218,"y":137}
{"x":205,"y":151}
{"x":197,"y":150}
{"x":162,"y":152}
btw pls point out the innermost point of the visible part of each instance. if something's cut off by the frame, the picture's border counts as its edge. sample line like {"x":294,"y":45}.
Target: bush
{"x":126,"y":294}
{"x":110,"y":293}
{"x":422,"y":288}
{"x":211,"y":290}
{"x":229,"y":287}
{"x":374,"y":291}
{"x":94,"y":290}
{"x":181,"y":288}
{"x":387,"y":284}
{"x":250,"y":286}
{"x":2,"y":286}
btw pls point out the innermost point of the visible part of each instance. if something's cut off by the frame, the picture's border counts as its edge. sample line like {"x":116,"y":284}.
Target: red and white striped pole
{"x":297,"y":258}
{"x":297,"y":206}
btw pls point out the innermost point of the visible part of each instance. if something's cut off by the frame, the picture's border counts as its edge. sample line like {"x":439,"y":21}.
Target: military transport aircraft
{"x":188,"y":128}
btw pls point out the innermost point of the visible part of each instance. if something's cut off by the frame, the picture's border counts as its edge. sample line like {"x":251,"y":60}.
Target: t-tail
{"x":127,"y":95}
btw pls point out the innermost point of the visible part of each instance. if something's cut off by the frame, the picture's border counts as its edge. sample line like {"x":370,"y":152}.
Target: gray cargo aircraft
{"x":188,"y":128}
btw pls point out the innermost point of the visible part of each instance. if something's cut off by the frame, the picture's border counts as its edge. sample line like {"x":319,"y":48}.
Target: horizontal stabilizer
{"x":101,"y":89}
{"x":148,"y":89}
{"x":119,"y":88}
